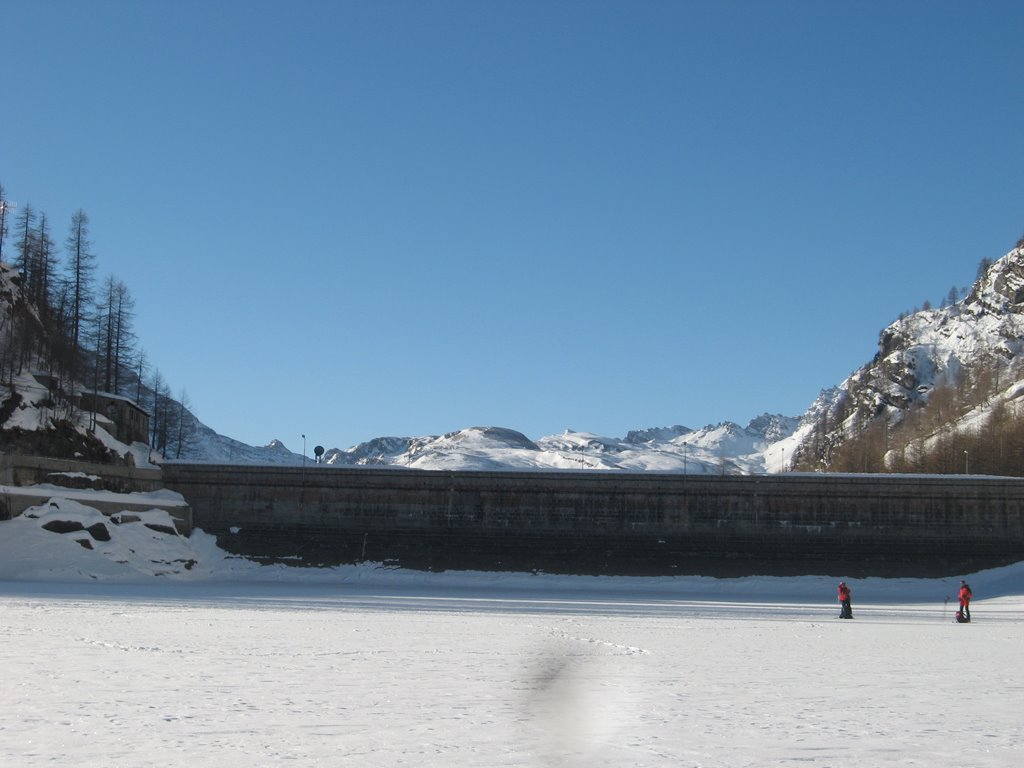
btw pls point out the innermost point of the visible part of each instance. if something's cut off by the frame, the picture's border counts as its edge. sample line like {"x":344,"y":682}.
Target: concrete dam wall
{"x":610,"y":522}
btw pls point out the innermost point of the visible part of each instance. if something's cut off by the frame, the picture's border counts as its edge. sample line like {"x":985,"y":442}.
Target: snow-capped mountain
{"x":725,"y":447}
{"x":932,"y":348}
{"x":973,"y":344}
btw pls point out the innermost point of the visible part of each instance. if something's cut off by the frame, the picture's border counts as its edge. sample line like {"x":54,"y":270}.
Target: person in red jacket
{"x":965,"y":600}
{"x":845,"y":611}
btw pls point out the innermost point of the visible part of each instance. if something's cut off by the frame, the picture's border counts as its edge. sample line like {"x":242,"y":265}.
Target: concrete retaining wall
{"x":16,"y":469}
{"x":19,"y":476}
{"x":614,"y":523}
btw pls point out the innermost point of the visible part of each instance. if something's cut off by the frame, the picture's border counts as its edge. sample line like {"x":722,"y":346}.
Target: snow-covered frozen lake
{"x":257,"y":674}
{"x":123,"y":645}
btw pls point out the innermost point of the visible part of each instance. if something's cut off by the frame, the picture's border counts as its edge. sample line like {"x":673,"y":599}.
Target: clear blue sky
{"x":354,"y":219}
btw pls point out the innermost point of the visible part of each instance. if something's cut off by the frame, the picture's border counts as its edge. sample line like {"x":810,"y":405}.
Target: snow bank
{"x":65,"y":540}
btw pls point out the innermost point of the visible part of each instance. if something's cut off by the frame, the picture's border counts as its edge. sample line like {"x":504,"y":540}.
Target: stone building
{"x":129,"y":422}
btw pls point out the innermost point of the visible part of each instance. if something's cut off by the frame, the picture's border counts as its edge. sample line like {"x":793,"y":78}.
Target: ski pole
{"x":945,"y":605}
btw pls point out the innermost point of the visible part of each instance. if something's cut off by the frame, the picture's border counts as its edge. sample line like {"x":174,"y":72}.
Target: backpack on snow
{"x":960,"y":618}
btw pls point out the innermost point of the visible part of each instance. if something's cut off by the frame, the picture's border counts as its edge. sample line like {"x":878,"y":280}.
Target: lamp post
{"x":967,"y":463}
{"x":302,"y":479}
{"x":685,"y":445}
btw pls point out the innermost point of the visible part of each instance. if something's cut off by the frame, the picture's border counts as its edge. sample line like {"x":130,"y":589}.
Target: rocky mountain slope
{"x":955,"y":363}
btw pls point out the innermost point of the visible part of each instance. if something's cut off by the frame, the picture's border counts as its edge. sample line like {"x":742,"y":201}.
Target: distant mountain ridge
{"x":720,"y":448}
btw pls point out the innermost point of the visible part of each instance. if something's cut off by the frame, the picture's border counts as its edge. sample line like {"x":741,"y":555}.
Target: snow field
{"x":145,"y":648}
{"x":195,"y":675}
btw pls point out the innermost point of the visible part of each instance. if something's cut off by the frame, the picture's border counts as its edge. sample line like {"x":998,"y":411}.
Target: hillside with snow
{"x":935,"y":347}
{"x":938,"y":372}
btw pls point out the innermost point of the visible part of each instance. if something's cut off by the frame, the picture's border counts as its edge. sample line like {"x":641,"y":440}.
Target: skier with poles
{"x":964,"y":614}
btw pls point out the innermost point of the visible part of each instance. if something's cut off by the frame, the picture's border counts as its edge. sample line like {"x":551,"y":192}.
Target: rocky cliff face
{"x":951,"y":347}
